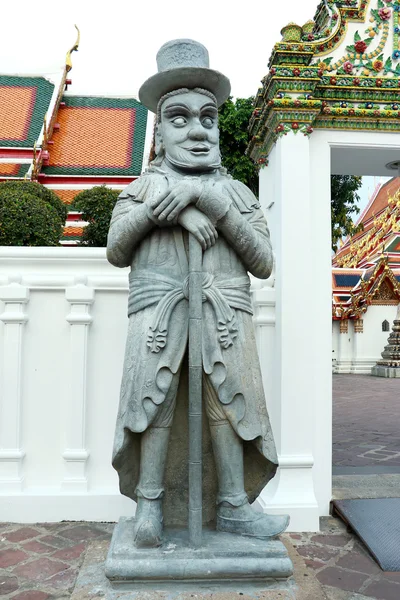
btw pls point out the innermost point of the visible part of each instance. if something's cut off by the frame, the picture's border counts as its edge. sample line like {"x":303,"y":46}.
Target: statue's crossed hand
{"x":197,"y":223}
{"x":170,"y":204}
{"x":173,"y":206}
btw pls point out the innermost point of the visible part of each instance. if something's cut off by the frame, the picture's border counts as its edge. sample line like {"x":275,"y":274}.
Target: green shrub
{"x":27,"y":220}
{"x":39,"y":191}
{"x":96,"y":206}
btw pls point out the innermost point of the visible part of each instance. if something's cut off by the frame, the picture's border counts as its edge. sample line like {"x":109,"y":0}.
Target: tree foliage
{"x":96,"y":206}
{"x":30,"y":215}
{"x":38,"y":190}
{"x":344,"y":200}
{"x":234,"y":117}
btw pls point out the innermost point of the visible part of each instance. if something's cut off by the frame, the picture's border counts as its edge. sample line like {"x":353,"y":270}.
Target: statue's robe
{"x":158,"y":335}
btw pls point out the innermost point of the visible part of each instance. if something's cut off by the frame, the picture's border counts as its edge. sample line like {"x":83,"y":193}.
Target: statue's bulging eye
{"x":208,"y":122}
{"x":179,"y":121}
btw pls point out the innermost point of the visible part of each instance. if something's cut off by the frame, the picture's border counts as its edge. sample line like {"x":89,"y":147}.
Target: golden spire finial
{"x":68,"y":62}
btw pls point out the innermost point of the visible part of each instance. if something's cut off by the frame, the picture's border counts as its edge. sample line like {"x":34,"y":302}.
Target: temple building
{"x":366,"y":283}
{"x":69,"y":143}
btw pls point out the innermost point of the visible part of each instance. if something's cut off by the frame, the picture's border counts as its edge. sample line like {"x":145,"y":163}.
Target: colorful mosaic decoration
{"x":380,"y":233}
{"x":378,"y":285}
{"x":340,"y":71}
{"x":98,"y":136}
{"x":366,"y":269}
{"x":24,"y":102}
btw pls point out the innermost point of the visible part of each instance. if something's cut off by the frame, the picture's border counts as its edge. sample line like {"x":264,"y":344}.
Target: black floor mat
{"x":377,"y":523}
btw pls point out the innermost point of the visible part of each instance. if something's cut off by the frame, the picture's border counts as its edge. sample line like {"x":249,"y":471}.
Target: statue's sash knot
{"x":148,"y":288}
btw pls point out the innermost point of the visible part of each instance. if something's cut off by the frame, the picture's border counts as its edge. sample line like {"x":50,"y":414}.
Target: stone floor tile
{"x":65,"y":580}
{"x":10,"y":557}
{"x":392,"y":576}
{"x":332,"y":540}
{"x":320,"y":552}
{"x":82,"y":533}
{"x":355,"y":561}
{"x":40,"y":569}
{"x":314,"y":564}
{"x":31,"y":595}
{"x":72,"y":553}
{"x":339,"y":578}
{"x":55,"y":541}
{"x":37,"y":547}
{"x":21,"y":534}
{"x":8,"y":584}
{"x":383,"y":590}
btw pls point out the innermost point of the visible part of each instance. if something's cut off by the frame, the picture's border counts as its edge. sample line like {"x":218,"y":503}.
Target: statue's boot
{"x":234,"y":513}
{"x":148,"y":525}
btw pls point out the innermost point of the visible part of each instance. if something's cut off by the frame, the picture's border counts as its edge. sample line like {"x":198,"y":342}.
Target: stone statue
{"x":184,"y":191}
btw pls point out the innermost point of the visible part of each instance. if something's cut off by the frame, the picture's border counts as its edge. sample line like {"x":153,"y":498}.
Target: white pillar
{"x":318,"y":316}
{"x":75,"y":453}
{"x":15,"y":297}
{"x":292,"y":416}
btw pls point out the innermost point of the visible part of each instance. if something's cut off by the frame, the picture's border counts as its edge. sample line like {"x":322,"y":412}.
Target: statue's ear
{"x":158,"y":141}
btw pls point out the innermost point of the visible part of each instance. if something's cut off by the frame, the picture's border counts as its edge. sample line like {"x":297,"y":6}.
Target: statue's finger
{"x":182,"y":203}
{"x":154,"y":203}
{"x":167,"y":210}
{"x":164,"y":203}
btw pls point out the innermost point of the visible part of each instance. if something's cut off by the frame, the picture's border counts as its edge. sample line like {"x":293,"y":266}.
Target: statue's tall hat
{"x":183,"y":64}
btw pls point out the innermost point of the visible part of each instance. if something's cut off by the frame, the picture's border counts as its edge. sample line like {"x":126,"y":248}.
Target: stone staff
{"x":195,"y":391}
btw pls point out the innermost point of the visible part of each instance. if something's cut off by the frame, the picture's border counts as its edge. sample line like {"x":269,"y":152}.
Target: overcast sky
{"x":120,"y":38}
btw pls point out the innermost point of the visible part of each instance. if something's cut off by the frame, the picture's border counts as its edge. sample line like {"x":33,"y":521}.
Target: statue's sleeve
{"x":243,"y":225}
{"x":130,"y":221}
{"x":129,"y":225}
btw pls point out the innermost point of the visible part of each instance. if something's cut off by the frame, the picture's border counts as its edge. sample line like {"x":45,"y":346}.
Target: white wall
{"x":359,"y":352}
{"x":62,"y":335}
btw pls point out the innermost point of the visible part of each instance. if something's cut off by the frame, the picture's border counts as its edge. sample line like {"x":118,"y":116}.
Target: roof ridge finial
{"x":68,"y":62}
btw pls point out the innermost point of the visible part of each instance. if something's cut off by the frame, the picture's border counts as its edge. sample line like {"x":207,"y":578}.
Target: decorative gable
{"x":339,"y":71}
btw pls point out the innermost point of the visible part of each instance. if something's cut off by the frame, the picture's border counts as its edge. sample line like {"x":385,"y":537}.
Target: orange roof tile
{"x":72,"y":231}
{"x":67,"y":196}
{"x":14,"y":169}
{"x":92,"y":137}
{"x":98,"y":136}
{"x":16,"y":108}
{"x":9,"y":169}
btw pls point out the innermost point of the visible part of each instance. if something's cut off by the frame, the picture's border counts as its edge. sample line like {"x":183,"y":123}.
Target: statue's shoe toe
{"x":262,"y":526}
{"x":147,"y":533}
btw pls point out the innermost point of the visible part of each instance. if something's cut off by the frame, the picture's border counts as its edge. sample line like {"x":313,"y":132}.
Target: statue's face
{"x":189,"y":132}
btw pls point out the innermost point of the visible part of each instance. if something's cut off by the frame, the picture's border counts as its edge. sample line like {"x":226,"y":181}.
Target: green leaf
{"x":388,"y":65}
{"x":368,"y":41}
{"x":397,"y":70}
{"x":350,"y":49}
{"x":375,"y":14}
{"x":357,"y":37}
{"x":328,"y":60}
{"x":380,"y":4}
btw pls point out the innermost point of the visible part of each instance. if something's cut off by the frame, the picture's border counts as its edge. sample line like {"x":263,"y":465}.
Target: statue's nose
{"x":198,"y":132}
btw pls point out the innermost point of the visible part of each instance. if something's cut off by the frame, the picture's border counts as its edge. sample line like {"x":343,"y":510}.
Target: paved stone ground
{"x":366,"y":421}
{"x":40,"y":562}
{"x":65,"y":560}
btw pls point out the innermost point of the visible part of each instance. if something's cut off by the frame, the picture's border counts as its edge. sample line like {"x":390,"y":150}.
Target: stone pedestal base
{"x":224,"y":558}
{"x":382,"y":371}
